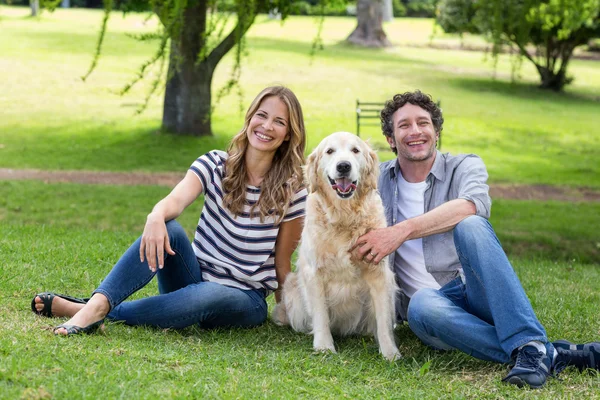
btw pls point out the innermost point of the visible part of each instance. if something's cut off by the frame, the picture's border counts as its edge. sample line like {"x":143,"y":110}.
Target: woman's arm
{"x":287,"y":241}
{"x":155,"y":240}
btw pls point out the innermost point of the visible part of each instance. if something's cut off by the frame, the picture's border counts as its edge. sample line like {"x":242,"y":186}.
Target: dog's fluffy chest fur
{"x":331,"y":231}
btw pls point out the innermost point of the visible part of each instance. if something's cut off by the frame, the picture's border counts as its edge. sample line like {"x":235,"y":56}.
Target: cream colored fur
{"x":330,"y":292}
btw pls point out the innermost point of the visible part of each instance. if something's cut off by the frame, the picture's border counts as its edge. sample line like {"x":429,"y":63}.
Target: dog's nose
{"x":343,"y":167}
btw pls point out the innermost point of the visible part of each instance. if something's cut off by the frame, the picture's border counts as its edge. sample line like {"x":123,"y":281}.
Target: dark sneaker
{"x":532,"y":367}
{"x":581,"y":356}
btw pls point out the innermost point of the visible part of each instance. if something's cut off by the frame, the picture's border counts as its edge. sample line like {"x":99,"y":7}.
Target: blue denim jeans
{"x":184,"y":299}
{"x":488,"y":316}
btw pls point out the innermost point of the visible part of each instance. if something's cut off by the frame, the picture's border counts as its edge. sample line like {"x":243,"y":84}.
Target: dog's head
{"x":342,"y":165}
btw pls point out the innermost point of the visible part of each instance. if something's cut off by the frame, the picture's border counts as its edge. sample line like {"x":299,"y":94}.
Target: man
{"x":458,"y":289}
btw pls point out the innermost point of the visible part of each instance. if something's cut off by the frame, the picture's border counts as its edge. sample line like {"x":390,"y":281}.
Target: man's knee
{"x":424,"y":308}
{"x":472,"y":229}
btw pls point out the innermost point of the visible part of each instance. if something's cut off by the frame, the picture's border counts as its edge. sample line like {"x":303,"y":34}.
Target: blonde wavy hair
{"x":284,"y":177}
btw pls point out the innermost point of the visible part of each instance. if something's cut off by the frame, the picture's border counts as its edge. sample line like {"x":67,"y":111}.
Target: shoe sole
{"x":515,"y":380}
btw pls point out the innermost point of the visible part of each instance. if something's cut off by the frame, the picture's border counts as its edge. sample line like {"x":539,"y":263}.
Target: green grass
{"x":53,"y":120}
{"x":66,"y":237}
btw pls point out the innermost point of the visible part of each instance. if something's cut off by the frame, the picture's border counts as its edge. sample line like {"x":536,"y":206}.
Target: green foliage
{"x":398,"y":8}
{"x":319,"y":8}
{"x":544,"y":32}
{"x":420,"y":8}
{"x":457,"y":16}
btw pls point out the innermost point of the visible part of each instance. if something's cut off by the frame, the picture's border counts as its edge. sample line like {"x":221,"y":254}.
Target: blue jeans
{"x":184,"y":299}
{"x":488,"y":316}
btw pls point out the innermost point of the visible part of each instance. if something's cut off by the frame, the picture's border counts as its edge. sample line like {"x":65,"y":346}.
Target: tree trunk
{"x":552,"y":80}
{"x":186,"y":109}
{"x":387,"y":10}
{"x":187,"y":105}
{"x":35,"y":7}
{"x":369,"y":32}
{"x":556,"y":80}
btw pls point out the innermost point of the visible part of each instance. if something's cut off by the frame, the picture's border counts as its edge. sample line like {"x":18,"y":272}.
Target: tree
{"x":369,"y":30}
{"x":35,"y":7}
{"x":197,"y":34}
{"x":545,"y":32}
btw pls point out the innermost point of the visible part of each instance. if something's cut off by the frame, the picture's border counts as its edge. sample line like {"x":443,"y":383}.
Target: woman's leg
{"x":130,"y":274}
{"x":206,"y":304}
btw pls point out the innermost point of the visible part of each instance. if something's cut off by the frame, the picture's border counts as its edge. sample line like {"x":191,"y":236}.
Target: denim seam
{"x":129,"y":293}
{"x":187,"y":267}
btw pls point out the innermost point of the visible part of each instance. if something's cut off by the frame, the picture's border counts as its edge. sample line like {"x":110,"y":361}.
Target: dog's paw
{"x":323,"y":344}
{"x":278,"y":315}
{"x":391,"y":354}
{"x":325,"y":349}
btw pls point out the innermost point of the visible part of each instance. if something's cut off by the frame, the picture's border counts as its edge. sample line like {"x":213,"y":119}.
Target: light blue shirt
{"x":451,"y":177}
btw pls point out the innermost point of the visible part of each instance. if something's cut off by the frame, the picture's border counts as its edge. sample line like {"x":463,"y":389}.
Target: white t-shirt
{"x":409,"y":263}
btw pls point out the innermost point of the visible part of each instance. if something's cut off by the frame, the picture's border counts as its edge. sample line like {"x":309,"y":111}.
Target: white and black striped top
{"x":236,"y":251}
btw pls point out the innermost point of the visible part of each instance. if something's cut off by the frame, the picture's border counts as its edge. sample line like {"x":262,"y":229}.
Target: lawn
{"x":66,"y":237}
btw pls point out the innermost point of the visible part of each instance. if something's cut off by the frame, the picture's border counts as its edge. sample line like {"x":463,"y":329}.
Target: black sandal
{"x":47,"y":298}
{"x":76,"y":330}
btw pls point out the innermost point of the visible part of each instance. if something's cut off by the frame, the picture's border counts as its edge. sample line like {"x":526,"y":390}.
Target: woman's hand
{"x":154,"y":242}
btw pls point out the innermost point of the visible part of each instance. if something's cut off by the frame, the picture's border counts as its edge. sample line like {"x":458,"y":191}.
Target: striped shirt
{"x":236,"y":251}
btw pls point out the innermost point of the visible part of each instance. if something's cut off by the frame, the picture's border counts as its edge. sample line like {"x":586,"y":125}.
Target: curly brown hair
{"x":285,"y":175}
{"x":416,"y":98}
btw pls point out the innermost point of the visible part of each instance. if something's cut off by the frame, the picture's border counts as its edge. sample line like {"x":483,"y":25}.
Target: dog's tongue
{"x":344,"y":184}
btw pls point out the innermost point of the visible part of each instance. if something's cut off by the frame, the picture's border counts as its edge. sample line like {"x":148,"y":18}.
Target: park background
{"x":540,"y":148}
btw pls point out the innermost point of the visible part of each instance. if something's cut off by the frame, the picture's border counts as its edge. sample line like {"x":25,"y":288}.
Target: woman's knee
{"x":176,"y":232}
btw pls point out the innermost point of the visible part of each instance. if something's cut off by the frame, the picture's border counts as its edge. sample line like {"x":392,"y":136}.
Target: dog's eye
{"x":355,"y":150}
{"x":329,"y":151}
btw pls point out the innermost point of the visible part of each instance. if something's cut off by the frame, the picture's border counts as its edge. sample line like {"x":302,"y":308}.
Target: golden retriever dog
{"x":330,"y":292}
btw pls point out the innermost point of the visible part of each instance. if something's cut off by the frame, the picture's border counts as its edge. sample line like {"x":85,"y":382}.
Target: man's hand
{"x":373,"y":246}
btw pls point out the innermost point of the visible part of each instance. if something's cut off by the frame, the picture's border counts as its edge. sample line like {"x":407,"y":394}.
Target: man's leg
{"x":439,"y":319}
{"x":494,"y":292}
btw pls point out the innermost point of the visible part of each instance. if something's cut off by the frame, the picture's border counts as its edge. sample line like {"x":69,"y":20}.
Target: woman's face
{"x":269,"y":126}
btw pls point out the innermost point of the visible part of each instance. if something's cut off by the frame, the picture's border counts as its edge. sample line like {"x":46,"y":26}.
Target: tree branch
{"x":230,"y":40}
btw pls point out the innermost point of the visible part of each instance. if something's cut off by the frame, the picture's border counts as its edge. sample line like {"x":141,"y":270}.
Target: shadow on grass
{"x":340,"y":51}
{"x":105,"y":147}
{"x":523,"y":90}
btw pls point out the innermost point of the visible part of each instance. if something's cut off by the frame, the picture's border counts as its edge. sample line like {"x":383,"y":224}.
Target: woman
{"x":248,"y":229}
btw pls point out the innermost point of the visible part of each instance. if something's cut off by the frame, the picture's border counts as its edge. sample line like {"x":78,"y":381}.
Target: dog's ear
{"x":310,"y":170}
{"x":372,"y":169}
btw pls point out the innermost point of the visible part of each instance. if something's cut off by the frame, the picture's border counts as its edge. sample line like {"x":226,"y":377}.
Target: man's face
{"x":414,"y":135}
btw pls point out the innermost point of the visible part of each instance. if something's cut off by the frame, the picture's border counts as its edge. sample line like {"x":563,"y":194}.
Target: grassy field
{"x":524,"y":135}
{"x":66,"y":237}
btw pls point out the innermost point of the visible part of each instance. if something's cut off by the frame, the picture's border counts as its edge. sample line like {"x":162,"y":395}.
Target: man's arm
{"x":384,"y":241}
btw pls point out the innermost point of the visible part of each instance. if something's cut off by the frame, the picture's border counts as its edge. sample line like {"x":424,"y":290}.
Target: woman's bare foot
{"x":60,"y":307}
{"x":94,"y":311}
